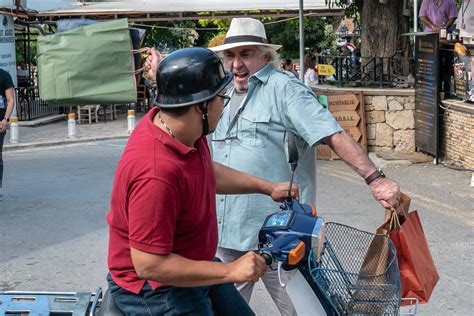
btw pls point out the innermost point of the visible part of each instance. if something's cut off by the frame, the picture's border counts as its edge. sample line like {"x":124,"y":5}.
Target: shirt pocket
{"x":253,"y":128}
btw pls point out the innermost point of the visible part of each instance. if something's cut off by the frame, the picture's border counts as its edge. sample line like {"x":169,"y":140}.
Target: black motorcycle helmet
{"x":189,"y":76}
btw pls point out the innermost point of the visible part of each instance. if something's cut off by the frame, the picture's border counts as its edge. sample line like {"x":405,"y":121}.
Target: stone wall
{"x":390,"y":123}
{"x":457,"y":137}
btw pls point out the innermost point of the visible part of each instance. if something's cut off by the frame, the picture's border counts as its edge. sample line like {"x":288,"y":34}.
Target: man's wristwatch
{"x":374,"y":175}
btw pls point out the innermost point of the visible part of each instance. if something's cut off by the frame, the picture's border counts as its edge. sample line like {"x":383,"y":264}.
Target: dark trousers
{"x":2,"y":138}
{"x":222,"y":299}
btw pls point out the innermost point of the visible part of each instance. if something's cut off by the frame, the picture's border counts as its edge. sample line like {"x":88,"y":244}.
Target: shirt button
{"x":220,"y":222}
{"x":222,"y":199}
{"x":225,"y":156}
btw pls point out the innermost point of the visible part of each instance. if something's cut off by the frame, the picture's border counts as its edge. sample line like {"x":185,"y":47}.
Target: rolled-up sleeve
{"x":305,"y":115}
{"x":453,"y":11}
{"x":423,"y":9}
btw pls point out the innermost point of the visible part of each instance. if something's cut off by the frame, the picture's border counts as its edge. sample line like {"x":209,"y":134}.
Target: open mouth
{"x":241,"y":75}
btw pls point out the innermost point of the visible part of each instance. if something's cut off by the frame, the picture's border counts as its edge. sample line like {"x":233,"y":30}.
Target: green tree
{"x":318,"y":33}
{"x":169,"y":36}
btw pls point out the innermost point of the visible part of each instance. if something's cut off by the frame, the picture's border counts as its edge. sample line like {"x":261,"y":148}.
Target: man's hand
{"x":436,"y":28}
{"x":153,"y":60}
{"x":279,"y":191}
{"x":248,"y":268}
{"x":3,"y":126}
{"x":386,"y":192}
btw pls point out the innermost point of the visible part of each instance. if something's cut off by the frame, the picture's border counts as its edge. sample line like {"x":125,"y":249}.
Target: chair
{"x":108,"y":109}
{"x":142,"y":99}
{"x":87,"y":113}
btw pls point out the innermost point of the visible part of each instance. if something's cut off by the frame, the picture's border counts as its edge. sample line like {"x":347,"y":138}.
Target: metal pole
{"x":415,"y":15}
{"x":301,"y":27}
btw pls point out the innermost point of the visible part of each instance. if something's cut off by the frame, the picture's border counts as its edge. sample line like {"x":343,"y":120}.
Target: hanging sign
{"x":326,"y":70}
{"x":7,"y":46}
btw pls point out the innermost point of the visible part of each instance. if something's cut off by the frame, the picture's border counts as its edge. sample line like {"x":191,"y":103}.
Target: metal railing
{"x":392,"y":71}
{"x":29,"y":105}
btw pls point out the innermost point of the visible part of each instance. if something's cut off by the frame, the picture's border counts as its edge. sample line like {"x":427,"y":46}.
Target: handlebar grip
{"x":267,"y":257}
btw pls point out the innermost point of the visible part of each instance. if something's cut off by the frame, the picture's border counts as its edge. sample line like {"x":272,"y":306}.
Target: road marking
{"x":465,"y":216}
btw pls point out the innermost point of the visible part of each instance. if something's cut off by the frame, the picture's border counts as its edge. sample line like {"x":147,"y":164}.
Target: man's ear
{"x":199,"y":107}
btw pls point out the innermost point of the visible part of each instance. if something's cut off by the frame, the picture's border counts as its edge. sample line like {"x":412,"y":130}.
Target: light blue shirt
{"x":253,"y":142}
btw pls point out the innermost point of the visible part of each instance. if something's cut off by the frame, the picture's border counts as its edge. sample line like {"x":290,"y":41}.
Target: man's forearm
{"x":173,"y":269}
{"x":427,"y":21}
{"x":450,"y":22}
{"x":231,"y":181}
{"x":349,"y":151}
{"x":10,"y":94}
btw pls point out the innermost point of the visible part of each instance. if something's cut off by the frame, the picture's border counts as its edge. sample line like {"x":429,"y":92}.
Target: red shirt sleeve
{"x":152,"y":213}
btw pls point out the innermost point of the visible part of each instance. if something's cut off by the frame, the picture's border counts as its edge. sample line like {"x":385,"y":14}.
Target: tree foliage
{"x":169,"y":36}
{"x":318,"y":33}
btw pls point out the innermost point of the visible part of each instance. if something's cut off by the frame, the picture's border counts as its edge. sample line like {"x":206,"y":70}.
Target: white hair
{"x":273,"y":57}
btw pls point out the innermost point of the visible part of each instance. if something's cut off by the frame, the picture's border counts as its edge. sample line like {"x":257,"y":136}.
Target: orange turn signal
{"x":296,"y":254}
{"x":314,"y":212}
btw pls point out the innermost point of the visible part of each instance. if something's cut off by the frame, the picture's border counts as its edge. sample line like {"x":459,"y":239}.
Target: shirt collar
{"x":263,"y":74}
{"x":165,"y":138}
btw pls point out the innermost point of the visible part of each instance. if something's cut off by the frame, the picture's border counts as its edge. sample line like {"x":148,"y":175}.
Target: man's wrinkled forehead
{"x":241,"y":50}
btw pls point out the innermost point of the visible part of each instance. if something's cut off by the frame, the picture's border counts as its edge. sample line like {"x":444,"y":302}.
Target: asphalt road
{"x":53,"y":234}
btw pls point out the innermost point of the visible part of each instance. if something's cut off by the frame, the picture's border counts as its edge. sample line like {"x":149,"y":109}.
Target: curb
{"x":25,"y":146}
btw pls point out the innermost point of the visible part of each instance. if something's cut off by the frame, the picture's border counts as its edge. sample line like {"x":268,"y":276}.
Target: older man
{"x":249,"y":137}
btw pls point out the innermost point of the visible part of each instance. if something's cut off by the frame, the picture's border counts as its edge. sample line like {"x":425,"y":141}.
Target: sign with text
{"x":342,"y":102}
{"x":7,"y":46}
{"x":427,"y":93}
{"x":326,"y":70}
{"x":349,"y":111}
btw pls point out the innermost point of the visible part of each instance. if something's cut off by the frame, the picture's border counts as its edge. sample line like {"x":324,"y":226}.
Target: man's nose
{"x":236,"y":62}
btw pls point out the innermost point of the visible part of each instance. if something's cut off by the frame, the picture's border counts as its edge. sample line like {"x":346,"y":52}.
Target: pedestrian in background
{"x":310,"y":76}
{"x":437,"y":13}
{"x":249,"y":137}
{"x":287,"y":65}
{"x":7,"y":101}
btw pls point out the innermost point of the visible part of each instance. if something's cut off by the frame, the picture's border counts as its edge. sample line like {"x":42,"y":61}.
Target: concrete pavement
{"x":53,"y":134}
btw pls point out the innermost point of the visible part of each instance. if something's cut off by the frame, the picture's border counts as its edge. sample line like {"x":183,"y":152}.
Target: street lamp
{"x":357,"y":31}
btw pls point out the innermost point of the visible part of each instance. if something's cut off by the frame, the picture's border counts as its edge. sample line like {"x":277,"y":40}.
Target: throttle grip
{"x":267,"y":257}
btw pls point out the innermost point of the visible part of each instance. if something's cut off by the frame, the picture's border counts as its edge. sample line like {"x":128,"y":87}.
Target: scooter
{"x":329,"y":261}
{"x":338,"y":270}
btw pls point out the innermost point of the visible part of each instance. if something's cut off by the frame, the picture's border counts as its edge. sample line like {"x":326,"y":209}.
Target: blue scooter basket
{"x":357,"y":272}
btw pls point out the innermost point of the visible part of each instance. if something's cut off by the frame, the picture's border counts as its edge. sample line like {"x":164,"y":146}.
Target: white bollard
{"x":71,"y":125}
{"x":130,"y":121}
{"x":14,"y":127}
{"x":472,"y":180}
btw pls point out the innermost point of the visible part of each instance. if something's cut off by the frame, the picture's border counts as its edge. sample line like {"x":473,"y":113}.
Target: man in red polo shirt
{"x":163,"y":226}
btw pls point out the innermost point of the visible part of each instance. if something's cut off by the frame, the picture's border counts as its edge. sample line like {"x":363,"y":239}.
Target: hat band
{"x":245,"y":38}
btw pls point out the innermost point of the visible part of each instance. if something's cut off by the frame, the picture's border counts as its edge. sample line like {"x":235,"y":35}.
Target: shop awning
{"x":165,"y":10}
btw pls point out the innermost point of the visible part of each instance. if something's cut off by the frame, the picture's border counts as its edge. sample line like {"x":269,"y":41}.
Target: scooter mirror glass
{"x":291,"y":150}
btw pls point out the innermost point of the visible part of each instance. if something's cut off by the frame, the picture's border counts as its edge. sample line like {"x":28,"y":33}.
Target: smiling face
{"x":243,"y":62}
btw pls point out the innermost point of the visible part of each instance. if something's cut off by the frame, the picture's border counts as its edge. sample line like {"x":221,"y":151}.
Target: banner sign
{"x":7,"y":46}
{"x":427,"y":93}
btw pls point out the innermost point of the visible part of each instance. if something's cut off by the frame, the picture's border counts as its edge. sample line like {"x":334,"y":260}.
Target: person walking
{"x":7,"y":102}
{"x":249,"y":137}
{"x":162,"y":219}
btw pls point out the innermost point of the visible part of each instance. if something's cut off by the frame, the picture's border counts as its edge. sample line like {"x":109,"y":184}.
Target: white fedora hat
{"x":244,"y":32}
